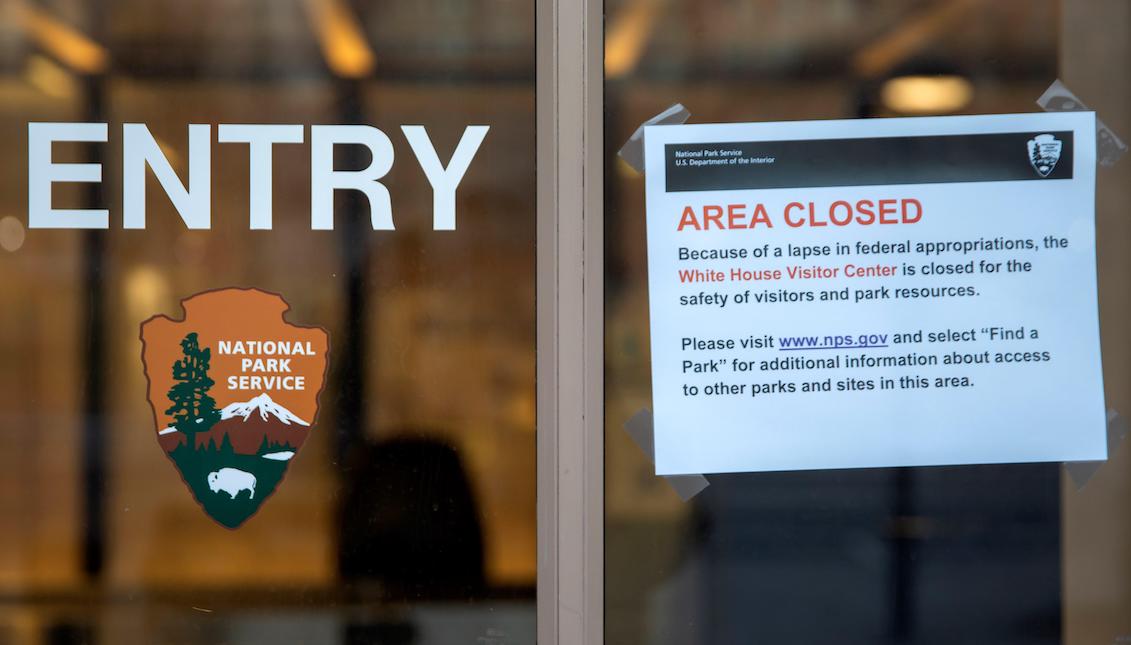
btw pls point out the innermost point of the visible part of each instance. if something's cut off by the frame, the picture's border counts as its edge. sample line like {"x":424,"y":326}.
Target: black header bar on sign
{"x":809,"y":163}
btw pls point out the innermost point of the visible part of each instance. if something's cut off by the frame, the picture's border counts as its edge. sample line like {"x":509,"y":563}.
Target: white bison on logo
{"x":232,"y":482}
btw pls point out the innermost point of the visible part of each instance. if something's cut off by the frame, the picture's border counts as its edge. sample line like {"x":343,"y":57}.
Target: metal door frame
{"x":570,"y":304}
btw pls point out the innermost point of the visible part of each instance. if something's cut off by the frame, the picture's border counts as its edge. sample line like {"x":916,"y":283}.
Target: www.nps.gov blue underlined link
{"x":802,"y":349}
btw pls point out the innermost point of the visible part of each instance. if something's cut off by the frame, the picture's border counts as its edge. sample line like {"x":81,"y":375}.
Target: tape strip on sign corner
{"x":1082,"y":472}
{"x":639,"y":427}
{"x":633,"y":150}
{"x":1058,"y":98}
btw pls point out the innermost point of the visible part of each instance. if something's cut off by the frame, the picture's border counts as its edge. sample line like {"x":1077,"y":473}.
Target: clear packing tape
{"x":1109,"y":149}
{"x":632,"y":152}
{"x":1058,"y":98}
{"x":1082,"y":472}
{"x":639,"y":427}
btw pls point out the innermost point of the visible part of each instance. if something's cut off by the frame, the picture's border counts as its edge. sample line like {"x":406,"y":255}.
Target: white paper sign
{"x":867,"y":293}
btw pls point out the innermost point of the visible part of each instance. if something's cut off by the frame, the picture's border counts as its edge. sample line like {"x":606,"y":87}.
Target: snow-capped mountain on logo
{"x":246,"y":426}
{"x":233,"y":452}
{"x":265,"y":406}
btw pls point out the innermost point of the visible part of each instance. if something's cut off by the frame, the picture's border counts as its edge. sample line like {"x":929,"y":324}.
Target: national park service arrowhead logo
{"x":234,"y":390}
{"x":1044,"y":152}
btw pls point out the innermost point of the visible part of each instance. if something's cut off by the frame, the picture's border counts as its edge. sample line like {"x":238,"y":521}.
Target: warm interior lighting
{"x":628,"y":35}
{"x":626,"y":171}
{"x":341,"y":38}
{"x":63,"y":42}
{"x":926,"y":94}
{"x":11,"y":234}
{"x":146,"y":291}
{"x":49,"y":78}
{"x":171,"y":154}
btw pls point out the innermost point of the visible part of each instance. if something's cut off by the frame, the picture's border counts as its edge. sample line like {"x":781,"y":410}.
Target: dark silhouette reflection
{"x":67,"y":633}
{"x":808,"y":557}
{"x":409,"y":523}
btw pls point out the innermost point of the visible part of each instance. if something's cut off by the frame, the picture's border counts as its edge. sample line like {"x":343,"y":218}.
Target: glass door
{"x":268,"y":385}
{"x":1007,"y":553}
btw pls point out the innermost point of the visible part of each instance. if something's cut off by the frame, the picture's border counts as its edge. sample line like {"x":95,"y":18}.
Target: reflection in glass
{"x":409,"y":515}
{"x":964,"y":554}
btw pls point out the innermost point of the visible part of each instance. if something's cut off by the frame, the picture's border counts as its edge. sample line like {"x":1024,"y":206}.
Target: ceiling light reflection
{"x":341,"y":38}
{"x":49,"y":78}
{"x":63,"y":42}
{"x":944,"y":94}
{"x":628,"y":34}
{"x":12,"y":234}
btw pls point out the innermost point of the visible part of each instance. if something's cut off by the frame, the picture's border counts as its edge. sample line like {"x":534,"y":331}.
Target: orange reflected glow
{"x":65,"y":43}
{"x":942,"y":94}
{"x":51,"y":79}
{"x":341,"y":38}
{"x":628,"y":35}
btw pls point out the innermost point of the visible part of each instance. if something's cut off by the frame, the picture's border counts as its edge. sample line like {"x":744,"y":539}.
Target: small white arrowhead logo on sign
{"x":1044,"y":152}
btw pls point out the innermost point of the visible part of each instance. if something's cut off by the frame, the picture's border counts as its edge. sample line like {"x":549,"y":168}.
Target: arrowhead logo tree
{"x":192,"y":410}
{"x":234,"y":390}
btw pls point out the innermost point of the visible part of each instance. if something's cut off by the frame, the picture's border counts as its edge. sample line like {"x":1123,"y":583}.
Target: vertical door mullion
{"x":570,"y":323}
